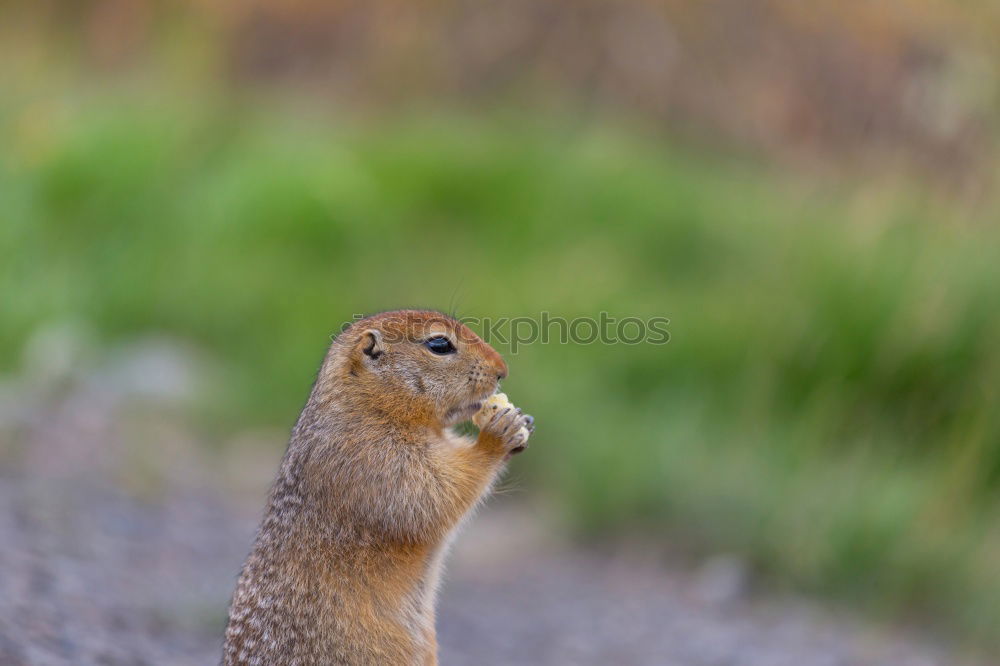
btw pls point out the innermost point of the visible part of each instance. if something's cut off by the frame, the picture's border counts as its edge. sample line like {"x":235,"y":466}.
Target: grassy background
{"x":828,"y":402}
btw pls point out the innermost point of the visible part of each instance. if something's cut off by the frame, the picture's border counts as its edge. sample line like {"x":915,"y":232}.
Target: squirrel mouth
{"x":465,"y":412}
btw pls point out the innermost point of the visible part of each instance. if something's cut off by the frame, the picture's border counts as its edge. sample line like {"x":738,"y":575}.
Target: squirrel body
{"x":347,"y":560}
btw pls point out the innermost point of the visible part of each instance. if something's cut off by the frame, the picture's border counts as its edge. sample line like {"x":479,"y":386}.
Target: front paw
{"x":508,"y":427}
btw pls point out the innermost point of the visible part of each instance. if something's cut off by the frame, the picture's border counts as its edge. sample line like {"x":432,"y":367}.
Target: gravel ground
{"x":580,"y":608}
{"x":93,"y":576}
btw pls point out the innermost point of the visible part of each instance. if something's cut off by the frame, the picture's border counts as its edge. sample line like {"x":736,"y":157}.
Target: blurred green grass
{"x":827,"y":404}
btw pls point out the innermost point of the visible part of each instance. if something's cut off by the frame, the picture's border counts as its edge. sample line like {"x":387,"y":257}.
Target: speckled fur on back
{"x":346,"y":562}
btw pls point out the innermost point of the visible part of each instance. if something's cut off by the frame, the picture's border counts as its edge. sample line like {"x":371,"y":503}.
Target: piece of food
{"x":491,"y":406}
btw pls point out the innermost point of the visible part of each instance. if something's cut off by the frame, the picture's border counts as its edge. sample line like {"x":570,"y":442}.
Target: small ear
{"x":372,"y":344}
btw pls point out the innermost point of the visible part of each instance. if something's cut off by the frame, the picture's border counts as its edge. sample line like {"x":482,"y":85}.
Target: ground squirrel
{"x":345,"y":566}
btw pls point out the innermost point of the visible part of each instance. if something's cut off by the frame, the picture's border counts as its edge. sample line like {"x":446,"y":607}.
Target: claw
{"x":512,"y":426}
{"x":499,"y":415}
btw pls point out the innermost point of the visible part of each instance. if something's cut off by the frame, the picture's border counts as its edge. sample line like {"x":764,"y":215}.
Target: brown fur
{"x":346,"y":562}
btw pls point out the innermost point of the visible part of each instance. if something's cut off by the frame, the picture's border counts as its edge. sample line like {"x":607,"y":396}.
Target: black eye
{"x":440,"y":345}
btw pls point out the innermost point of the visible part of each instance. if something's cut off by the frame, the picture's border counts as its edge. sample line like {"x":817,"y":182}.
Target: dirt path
{"x":581,"y":608}
{"x":121,"y":540}
{"x":90,"y":575}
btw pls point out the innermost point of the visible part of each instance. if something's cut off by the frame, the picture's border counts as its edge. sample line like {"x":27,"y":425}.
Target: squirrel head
{"x":417,"y":366}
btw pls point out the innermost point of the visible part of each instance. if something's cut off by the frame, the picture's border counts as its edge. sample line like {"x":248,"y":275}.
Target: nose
{"x":493,"y":360}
